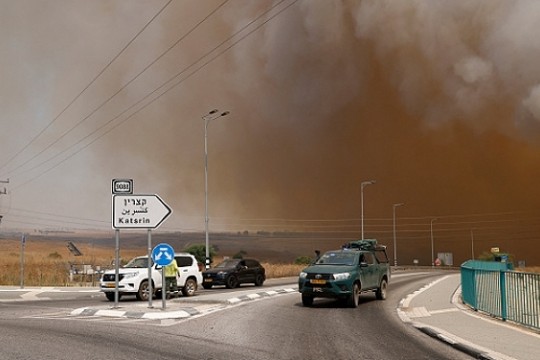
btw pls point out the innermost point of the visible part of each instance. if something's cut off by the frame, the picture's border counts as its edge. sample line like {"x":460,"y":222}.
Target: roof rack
{"x":366,"y":244}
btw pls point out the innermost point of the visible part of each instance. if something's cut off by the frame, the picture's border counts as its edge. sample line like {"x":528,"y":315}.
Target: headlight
{"x":303,"y":275}
{"x":130,"y":275}
{"x":342,"y":276}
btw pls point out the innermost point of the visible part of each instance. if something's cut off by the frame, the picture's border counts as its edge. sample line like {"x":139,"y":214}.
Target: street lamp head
{"x":225,"y":113}
{"x":213,"y":111}
{"x":370,"y":182}
{"x":400,"y":204}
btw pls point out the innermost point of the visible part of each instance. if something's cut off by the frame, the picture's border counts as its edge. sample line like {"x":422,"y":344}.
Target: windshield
{"x":337,"y":258}
{"x":140,"y":262}
{"x":228,"y":263}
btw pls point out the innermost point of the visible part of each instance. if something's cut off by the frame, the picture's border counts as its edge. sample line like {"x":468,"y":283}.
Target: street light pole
{"x":432,"y":252}
{"x":472,"y":245}
{"x":362,"y":185}
{"x":394,"y":226}
{"x":212,"y":115}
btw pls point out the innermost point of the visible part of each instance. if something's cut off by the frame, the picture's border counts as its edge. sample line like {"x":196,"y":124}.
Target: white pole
{"x":472,"y":245}
{"x":207,"y":118}
{"x":150,"y":265}
{"x":432,"y":250}
{"x":394,"y":227}
{"x":362,"y":185}
{"x":23,"y":243}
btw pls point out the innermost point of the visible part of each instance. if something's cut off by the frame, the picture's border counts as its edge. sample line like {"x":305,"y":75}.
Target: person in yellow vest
{"x":171,"y":285}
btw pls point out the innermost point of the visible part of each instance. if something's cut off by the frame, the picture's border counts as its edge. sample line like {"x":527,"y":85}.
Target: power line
{"x":81,"y":92}
{"x":156,"y":90}
{"x":122,"y":87}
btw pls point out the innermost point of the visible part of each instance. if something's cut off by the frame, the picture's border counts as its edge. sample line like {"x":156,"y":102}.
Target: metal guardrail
{"x":493,"y":288}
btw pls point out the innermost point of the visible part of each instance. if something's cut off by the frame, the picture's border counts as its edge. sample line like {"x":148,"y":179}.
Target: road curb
{"x":178,"y":312}
{"x":445,"y":338}
{"x":455,"y":341}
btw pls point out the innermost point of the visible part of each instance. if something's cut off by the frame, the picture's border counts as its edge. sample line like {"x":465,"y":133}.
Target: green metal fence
{"x":493,"y":288}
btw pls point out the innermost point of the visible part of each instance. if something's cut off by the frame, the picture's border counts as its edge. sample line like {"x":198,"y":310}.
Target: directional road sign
{"x":139,"y":211}
{"x":163,"y":254}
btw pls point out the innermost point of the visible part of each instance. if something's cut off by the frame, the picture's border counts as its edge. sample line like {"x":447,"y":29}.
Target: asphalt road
{"x":274,"y":328}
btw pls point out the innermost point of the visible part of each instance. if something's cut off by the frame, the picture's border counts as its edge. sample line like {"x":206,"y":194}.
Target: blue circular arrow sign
{"x":163,"y":254}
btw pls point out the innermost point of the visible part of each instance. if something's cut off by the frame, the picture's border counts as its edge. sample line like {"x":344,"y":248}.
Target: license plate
{"x":207,"y":280}
{"x":318,"y":281}
{"x":110,"y":285}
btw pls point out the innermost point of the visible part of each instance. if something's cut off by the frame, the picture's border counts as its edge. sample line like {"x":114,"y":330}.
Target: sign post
{"x":136,"y":212}
{"x":23,"y":243}
{"x":163,"y":255}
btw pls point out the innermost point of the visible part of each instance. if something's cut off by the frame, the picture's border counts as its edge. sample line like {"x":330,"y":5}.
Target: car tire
{"x":380,"y":294}
{"x":231,"y":282}
{"x":307,"y":300}
{"x":259,"y":280}
{"x":354,"y":298}
{"x":189,"y":287}
{"x":142,"y":293}
{"x":110,"y":296}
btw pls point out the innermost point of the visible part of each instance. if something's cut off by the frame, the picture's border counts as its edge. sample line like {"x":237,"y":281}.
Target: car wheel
{"x":354,"y":298}
{"x":231,"y":282}
{"x":189,"y":287}
{"x":259,"y":280}
{"x":381,"y":291}
{"x":207,"y":286}
{"x":142,"y":294}
{"x":110,"y":296}
{"x":307,"y":300}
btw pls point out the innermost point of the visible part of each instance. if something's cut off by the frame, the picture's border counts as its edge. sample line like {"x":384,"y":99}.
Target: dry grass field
{"x":48,"y":261}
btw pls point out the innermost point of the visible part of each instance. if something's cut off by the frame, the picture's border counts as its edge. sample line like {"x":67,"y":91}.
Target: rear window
{"x":183,"y":261}
{"x":252,"y":263}
{"x":381,"y":256}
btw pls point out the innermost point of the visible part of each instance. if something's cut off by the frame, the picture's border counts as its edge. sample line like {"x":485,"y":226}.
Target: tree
{"x":239,"y":255}
{"x":199,"y":251}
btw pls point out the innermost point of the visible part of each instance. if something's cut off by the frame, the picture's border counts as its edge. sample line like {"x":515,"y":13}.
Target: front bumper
{"x":107,"y":286}
{"x":330,"y":288}
{"x":214,"y":280}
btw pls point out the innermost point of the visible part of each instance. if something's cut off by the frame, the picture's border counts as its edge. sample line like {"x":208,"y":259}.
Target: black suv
{"x":233,"y":272}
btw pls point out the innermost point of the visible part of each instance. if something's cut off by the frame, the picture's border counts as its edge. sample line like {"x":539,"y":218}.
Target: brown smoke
{"x":438,"y":101}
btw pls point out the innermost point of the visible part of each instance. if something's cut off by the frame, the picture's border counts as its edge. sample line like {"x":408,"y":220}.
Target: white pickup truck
{"x":133,"y":278}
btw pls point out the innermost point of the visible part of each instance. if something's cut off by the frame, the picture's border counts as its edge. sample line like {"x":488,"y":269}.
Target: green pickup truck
{"x":360,"y":266}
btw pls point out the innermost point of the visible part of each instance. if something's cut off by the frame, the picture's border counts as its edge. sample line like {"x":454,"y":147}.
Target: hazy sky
{"x":438,"y":101}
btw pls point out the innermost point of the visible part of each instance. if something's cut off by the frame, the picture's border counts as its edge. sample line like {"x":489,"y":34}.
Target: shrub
{"x":303,"y":260}
{"x":239,"y":255}
{"x":199,"y":251}
{"x":54,"y":255}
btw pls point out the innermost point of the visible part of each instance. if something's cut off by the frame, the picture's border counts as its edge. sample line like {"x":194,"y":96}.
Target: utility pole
{"x":4,"y":192}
